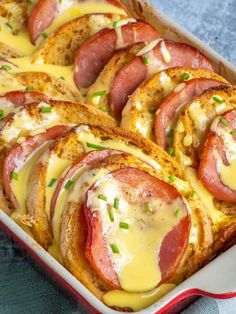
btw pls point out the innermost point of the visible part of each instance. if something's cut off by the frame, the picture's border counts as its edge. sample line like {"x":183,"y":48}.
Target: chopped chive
{"x":6,"y":67}
{"x":223,"y":121}
{"x":62,"y":78}
{"x":101,"y":93}
{"x":116,"y":203}
{"x":170,"y":151}
{"x":69,"y":184}
{"x":102,"y":197}
{"x":177,"y":213}
{"x":123,"y":225}
{"x":218,"y":99}
{"x":60,"y":1}
{"x":111,"y":215}
{"x":9,"y":25}
{"x":233,"y":132}
{"x":29,"y":1}
{"x":29,"y":89}
{"x":170,"y":133}
{"x":192,"y":193}
{"x":1,"y":113}
{"x":46,"y":109}
{"x":185,"y":76}
{"x":148,"y":208}
{"x":14,"y":175}
{"x":171,"y":178}
{"x":44,"y":35}
{"x":51,"y":183}
{"x":145,"y":59}
{"x":114,"y":248}
{"x":95,"y":146}
{"x":115,"y":24}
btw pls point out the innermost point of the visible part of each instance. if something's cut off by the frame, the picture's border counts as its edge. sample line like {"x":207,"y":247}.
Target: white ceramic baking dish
{"x":201,"y":283}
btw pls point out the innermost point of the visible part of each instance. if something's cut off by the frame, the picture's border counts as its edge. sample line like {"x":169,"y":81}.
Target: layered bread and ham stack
{"x":117,"y":147}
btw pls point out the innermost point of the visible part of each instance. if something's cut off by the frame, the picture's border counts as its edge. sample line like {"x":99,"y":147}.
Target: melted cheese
{"x":55,"y":168}
{"x":206,"y":198}
{"x":138,"y":245}
{"x":23,"y":124}
{"x":148,"y":47}
{"x":227,"y":174}
{"x":8,"y":83}
{"x":166,"y":83}
{"x":154,"y":65}
{"x":198,"y":116}
{"x":25,"y":64}
{"x":135,"y":301}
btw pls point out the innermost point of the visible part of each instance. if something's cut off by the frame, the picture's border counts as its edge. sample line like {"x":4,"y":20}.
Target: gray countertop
{"x":213,"y":21}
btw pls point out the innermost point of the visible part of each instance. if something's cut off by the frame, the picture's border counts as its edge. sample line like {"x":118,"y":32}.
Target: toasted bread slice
{"x":7,"y":51}
{"x":50,"y":85}
{"x":74,"y":145}
{"x":139,"y":112}
{"x":60,"y":47}
{"x":189,"y":136}
{"x":103,"y":83}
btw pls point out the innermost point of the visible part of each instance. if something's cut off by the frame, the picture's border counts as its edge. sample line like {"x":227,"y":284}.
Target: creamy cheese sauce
{"x":23,"y":124}
{"x":227,"y":172}
{"x":136,"y":301}
{"x":55,"y":168}
{"x":139,"y":244}
{"x":206,"y":198}
{"x":198,"y":116}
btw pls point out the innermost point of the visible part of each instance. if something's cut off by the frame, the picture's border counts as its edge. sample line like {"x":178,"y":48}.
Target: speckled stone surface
{"x":213,"y":21}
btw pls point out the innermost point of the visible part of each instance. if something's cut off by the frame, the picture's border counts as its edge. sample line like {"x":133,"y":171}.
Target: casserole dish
{"x":172,"y":31}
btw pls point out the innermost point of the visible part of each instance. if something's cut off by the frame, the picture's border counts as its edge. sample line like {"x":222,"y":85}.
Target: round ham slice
{"x":41,"y":17}
{"x":214,"y":154}
{"x":19,"y":98}
{"x":19,"y":153}
{"x":174,"y":103}
{"x":161,"y":57}
{"x":93,"y":55}
{"x":144,"y":187}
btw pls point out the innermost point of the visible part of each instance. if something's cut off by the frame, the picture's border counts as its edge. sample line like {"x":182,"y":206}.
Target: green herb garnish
{"x":69,"y":184}
{"x":29,"y":89}
{"x":192,"y":193}
{"x":170,"y":151}
{"x":44,"y":35}
{"x":177,"y":213}
{"x":95,"y":146}
{"x":114,"y":248}
{"x":62,"y":78}
{"x":218,"y":99}
{"x":46,"y":109}
{"x":145,"y":59}
{"x":14,"y":176}
{"x":115,"y":24}
{"x":111,"y":215}
{"x":223,"y":121}
{"x":102,"y":197}
{"x":6,"y":67}
{"x":1,"y":113}
{"x":185,"y":76}
{"x":101,"y":93}
{"x":51,"y":183}
{"x":9,"y":25}
{"x":172,"y":178}
{"x":116,"y":203}
{"x":123,"y":225}
{"x":148,"y":208}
